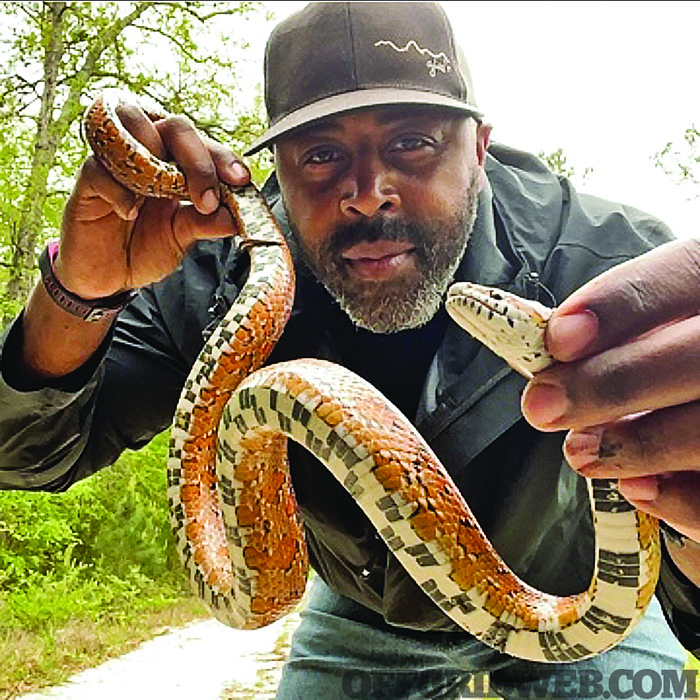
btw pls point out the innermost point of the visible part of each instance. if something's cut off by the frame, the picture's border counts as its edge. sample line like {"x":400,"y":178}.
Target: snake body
{"x":233,"y":509}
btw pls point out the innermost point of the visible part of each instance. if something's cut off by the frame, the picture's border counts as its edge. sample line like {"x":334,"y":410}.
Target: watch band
{"x":87,"y":309}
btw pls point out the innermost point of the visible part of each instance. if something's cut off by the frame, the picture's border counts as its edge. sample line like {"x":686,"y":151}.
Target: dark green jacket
{"x":534,"y":236}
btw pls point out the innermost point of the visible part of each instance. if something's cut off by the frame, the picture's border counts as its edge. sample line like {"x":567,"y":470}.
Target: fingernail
{"x":582,"y":447}
{"x":569,"y":336}
{"x":210,"y":202}
{"x":239,"y":170}
{"x":544,"y":404}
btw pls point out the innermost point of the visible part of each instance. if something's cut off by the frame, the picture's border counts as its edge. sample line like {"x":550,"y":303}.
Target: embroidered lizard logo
{"x":436,"y":62}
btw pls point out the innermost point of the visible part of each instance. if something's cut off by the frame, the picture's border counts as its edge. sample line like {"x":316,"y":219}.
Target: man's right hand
{"x":113,"y":239}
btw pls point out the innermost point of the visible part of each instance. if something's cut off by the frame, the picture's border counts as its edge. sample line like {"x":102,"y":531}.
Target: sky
{"x":608,"y":82}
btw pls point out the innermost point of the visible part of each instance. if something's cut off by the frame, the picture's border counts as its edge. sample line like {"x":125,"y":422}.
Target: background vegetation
{"x":84,"y":575}
{"x":57,"y":56}
{"x":681,"y":158}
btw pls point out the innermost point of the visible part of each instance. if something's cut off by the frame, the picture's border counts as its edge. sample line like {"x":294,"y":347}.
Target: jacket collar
{"x":506,"y":250}
{"x":463,"y":370}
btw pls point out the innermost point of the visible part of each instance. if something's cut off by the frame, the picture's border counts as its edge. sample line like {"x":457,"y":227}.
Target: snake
{"x":235,"y":519}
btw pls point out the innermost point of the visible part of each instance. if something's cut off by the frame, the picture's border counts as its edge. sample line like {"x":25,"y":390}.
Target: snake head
{"x":512,"y":327}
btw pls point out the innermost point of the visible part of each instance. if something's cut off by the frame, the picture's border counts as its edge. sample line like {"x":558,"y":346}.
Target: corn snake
{"x":229,"y":485}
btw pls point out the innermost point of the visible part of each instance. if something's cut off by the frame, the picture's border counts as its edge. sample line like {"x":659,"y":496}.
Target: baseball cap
{"x":334,"y":57}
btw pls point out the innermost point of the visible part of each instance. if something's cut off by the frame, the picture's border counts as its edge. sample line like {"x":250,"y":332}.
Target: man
{"x":384,"y":177}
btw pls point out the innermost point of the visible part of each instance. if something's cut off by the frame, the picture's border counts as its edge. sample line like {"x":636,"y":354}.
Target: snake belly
{"x":233,"y":510}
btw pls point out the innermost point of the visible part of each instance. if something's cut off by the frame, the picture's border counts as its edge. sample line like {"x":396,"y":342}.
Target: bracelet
{"x":88,"y":309}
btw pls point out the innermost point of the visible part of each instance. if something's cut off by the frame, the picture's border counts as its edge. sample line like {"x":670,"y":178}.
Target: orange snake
{"x":233,"y":510}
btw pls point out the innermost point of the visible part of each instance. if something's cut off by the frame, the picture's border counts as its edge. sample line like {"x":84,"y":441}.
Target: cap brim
{"x":348,"y":101}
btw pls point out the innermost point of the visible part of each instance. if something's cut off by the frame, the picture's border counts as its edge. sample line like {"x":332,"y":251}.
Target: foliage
{"x":682,"y":160}
{"x":104,"y":552}
{"x":556,"y":161}
{"x":14,"y":167}
{"x":105,"y":545}
{"x":57,"y":55}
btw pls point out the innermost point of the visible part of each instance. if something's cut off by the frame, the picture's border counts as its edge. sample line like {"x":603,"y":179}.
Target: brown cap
{"x":334,"y":57}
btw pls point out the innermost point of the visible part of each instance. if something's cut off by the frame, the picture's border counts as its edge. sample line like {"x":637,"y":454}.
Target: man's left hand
{"x":628,"y":384}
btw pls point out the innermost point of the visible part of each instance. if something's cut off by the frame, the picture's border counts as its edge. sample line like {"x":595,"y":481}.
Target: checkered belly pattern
{"x":234,"y":514}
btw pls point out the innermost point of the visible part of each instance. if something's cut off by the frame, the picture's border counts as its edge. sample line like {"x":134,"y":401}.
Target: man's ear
{"x":483,"y":139}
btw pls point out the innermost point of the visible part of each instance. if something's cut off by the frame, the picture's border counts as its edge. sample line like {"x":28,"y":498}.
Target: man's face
{"x":381,"y":203}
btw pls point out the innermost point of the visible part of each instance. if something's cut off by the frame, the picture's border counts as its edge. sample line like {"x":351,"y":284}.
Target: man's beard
{"x":409,"y":300}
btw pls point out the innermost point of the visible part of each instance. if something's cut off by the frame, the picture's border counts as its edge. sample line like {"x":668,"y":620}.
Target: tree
{"x":682,"y":161}
{"x":57,"y":54}
{"x":557,"y":163}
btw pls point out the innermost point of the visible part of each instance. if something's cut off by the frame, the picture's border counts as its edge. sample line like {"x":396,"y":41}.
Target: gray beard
{"x":395,"y":305}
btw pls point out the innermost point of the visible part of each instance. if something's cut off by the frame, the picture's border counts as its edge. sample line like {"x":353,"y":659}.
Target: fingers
{"x":189,"y":225}
{"x":113,"y":238}
{"x":655,"y":371}
{"x":674,"y":498}
{"x":628,"y":386}
{"x":203,"y":161}
{"x":142,"y":128}
{"x":228,"y":167}
{"x":628,"y":300}
{"x":655,"y":457}
{"x":189,"y":151}
{"x":662,"y":441}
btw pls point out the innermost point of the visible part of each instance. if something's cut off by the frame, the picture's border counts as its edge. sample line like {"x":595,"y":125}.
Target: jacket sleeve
{"x":54,"y":435}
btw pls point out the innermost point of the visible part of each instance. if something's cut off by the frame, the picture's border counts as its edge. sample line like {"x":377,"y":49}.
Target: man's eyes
{"x":410,"y":143}
{"x":323,"y":156}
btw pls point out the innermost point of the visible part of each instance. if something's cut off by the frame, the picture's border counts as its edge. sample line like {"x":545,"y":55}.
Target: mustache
{"x":372,"y":230}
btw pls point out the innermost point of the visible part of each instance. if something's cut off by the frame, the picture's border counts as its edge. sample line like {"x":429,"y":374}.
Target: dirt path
{"x":205,"y":660}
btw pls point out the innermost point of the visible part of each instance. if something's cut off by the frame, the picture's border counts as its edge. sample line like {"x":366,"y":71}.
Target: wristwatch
{"x":88,"y":309}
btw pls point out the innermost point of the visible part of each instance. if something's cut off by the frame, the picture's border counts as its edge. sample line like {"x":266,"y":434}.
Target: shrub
{"x":104,"y":546}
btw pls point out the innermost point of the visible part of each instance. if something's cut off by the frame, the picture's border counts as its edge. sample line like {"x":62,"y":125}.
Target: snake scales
{"x":233,"y":509}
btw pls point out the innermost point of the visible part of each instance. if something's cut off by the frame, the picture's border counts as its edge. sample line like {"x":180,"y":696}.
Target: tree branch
{"x":26,"y":9}
{"x":107,"y":37}
{"x":172,"y":40}
{"x":241,"y":8}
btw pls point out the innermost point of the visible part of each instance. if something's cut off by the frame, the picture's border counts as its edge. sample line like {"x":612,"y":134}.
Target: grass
{"x":34,"y":659}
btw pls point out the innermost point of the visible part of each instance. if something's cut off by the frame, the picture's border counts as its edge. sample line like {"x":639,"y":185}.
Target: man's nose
{"x":368,"y":190}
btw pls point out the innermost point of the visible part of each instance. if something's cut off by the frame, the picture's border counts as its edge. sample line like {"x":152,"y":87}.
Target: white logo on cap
{"x":436,"y":62}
